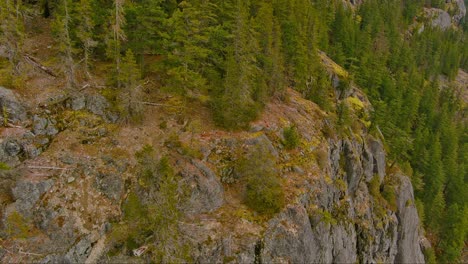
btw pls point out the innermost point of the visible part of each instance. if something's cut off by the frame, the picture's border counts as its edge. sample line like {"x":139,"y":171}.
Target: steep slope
{"x":76,"y":176}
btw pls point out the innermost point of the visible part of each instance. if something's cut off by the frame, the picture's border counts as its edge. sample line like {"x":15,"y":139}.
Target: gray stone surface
{"x":12,"y":147}
{"x":439,"y":18}
{"x":11,"y":107}
{"x":44,"y":126}
{"x":207,"y":192}
{"x":28,"y":193}
{"x":353,"y":166}
{"x":79,"y":252}
{"x":263,"y":141}
{"x":457,"y":18}
{"x":110,"y":184}
{"x":378,"y":156}
{"x":409,"y":249}
{"x":335,"y":220}
{"x":289,"y":238}
{"x":98,"y":105}
{"x":78,"y":103}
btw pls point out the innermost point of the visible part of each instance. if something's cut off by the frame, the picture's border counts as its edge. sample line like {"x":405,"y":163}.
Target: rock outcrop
{"x":326,"y":234}
{"x":96,"y":104}
{"x":341,"y":204}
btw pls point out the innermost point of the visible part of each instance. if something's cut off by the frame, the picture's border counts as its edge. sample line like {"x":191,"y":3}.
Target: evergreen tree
{"x":130,"y":94}
{"x":12,"y":31}
{"x":63,"y":29}
{"x":270,"y":59}
{"x":145,"y":28}
{"x":453,"y":237}
{"x":114,"y":41}
{"x":189,"y":36}
{"x":237,"y":107}
{"x":85,"y":28}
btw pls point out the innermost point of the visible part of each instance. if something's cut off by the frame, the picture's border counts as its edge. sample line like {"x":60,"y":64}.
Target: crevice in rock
{"x":258,"y":250}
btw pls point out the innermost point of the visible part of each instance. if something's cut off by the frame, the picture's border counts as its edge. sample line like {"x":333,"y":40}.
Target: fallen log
{"x":33,"y":61}
{"x":47,"y":168}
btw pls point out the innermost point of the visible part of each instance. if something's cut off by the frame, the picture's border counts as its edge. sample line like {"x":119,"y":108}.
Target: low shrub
{"x":152,"y":221}
{"x":389,"y":195}
{"x":321,"y":156}
{"x":291,"y":137}
{"x":264,"y":192}
{"x":4,"y":166}
{"x":17,"y":226}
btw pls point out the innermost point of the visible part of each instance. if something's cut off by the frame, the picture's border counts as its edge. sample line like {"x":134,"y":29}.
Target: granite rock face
{"x":289,"y":238}
{"x":327,"y":234}
{"x":409,"y":249}
{"x":339,"y":215}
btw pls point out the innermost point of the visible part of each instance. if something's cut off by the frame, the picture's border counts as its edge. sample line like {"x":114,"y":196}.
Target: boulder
{"x":27,"y":193}
{"x":206,"y":191}
{"x":111,"y":185}
{"x":12,"y":147}
{"x":78,"y":103}
{"x":44,"y":126}
{"x":98,"y":105}
{"x":11,"y":107}
{"x":263,"y":141}
{"x":439,"y":18}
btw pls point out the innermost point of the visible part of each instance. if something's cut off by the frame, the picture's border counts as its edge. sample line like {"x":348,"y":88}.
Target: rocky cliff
{"x":69,"y":170}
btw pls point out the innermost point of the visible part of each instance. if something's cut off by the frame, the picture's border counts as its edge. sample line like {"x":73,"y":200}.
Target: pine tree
{"x":435,"y":212}
{"x":130,"y":94}
{"x":454,"y":234}
{"x":114,"y":42}
{"x":63,"y":28}
{"x":189,"y":34}
{"x":270,"y":59}
{"x":165,"y":215}
{"x":85,"y":28}
{"x":237,"y":107}
{"x":145,"y":28}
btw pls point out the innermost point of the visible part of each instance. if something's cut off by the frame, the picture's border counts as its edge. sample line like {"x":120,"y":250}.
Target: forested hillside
{"x":234,"y":57}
